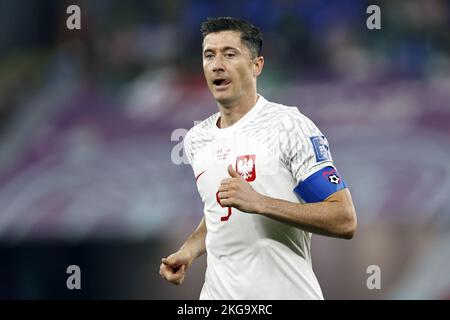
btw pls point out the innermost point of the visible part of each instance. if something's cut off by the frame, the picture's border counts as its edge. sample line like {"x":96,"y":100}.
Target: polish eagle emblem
{"x":245,"y":166}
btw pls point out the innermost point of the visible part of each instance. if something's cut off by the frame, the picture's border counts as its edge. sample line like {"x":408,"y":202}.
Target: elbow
{"x":349,"y":231}
{"x":349,"y":224}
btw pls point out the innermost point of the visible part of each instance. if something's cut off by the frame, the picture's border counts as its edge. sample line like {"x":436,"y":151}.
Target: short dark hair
{"x":250,"y":35}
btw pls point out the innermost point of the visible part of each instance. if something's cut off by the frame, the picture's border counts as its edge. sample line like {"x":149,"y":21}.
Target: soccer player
{"x":266,"y":177}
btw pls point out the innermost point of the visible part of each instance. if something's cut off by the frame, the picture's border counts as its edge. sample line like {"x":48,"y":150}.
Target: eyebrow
{"x":223,"y":49}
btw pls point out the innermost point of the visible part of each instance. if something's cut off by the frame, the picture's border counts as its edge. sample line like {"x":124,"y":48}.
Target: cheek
{"x":245,"y":76}
{"x":206,"y":74}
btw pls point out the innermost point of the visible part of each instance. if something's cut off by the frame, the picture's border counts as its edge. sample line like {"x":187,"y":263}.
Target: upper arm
{"x":304,"y":148}
{"x":307,"y":155}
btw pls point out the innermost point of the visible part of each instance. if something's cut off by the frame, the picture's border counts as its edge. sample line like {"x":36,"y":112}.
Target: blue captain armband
{"x":320,"y":185}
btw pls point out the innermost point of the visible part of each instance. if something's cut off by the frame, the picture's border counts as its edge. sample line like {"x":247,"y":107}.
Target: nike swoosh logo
{"x":196,"y":178}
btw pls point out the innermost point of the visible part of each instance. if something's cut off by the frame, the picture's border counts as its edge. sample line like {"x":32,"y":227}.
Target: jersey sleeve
{"x":306,"y":153}
{"x":187,"y":146}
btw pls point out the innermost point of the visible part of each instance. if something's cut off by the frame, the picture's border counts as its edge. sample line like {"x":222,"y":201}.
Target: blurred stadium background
{"x":90,"y":120}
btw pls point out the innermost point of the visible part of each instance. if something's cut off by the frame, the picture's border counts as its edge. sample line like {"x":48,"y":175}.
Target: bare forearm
{"x":195,"y":244}
{"x":329,"y":218}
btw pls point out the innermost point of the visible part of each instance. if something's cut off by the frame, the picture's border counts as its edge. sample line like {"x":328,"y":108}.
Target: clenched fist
{"x":173,"y":268}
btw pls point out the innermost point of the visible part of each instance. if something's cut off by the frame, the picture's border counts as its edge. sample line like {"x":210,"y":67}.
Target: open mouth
{"x":221,"y":83}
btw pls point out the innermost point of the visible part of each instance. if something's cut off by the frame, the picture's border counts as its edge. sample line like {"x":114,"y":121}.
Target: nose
{"x":218,"y":65}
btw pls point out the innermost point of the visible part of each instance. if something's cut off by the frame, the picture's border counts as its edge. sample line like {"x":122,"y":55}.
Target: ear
{"x":258,"y":65}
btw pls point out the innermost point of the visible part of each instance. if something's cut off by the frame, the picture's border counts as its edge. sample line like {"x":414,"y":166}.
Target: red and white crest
{"x":245,"y":166}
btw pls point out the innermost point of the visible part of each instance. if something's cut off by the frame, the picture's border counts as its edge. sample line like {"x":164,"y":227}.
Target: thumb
{"x":170,"y":261}
{"x":232,"y":172}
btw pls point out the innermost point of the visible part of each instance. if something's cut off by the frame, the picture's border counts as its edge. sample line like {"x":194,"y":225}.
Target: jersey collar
{"x":260,"y":103}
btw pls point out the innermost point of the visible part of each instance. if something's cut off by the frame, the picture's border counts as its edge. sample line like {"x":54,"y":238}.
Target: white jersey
{"x":250,"y":256}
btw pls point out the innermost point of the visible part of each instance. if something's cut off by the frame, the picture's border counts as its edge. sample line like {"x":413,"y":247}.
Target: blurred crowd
{"x":120,"y":40}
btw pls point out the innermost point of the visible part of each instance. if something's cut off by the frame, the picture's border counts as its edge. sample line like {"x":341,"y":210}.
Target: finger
{"x":174,"y":277}
{"x":164,"y":271}
{"x":224,"y":195}
{"x":178,"y":281}
{"x":223,"y":188}
{"x":171,"y":261}
{"x":163,"y":268}
{"x":227,"y":202}
{"x":181,"y":270}
{"x":169,"y":274}
{"x":172,"y":268}
{"x":232,"y":172}
{"x":179,"y":275}
{"x":226,"y":181}
{"x":163,"y":274}
{"x":168,"y":262}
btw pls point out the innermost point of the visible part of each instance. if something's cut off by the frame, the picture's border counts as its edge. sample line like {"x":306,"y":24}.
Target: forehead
{"x":222,"y":39}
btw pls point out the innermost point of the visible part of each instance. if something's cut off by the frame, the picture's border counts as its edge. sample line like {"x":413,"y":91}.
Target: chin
{"x":223,"y":98}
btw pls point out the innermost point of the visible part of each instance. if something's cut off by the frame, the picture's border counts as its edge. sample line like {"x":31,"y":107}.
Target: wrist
{"x":188,"y":252}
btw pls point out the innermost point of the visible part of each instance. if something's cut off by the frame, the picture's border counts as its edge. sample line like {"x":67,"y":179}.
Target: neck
{"x":230,"y":113}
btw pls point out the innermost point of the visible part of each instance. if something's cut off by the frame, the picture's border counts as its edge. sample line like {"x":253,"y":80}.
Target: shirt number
{"x":224,"y":218}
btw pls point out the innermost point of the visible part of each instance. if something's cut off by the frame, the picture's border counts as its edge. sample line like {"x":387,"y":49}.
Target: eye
{"x":208,"y":55}
{"x":229,"y":55}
